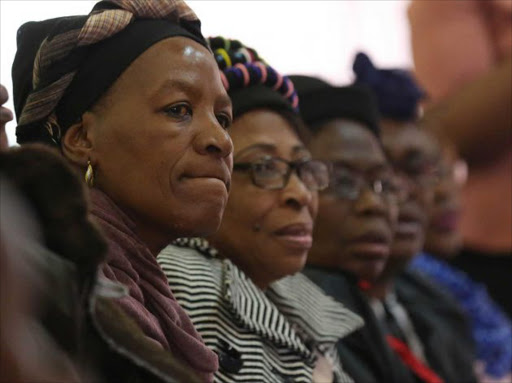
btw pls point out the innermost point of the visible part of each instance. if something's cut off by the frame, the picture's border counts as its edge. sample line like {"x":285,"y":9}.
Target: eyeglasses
{"x":417,"y":169}
{"x":273,"y":173}
{"x":347,"y":184}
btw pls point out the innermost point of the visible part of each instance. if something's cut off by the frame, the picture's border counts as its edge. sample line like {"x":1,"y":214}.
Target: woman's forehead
{"x":172,"y":58}
{"x":346,"y":141}
{"x":399,"y":142}
{"x":264,"y":131}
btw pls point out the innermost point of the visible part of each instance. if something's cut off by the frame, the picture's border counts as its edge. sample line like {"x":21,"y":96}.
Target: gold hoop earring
{"x":89,"y":175}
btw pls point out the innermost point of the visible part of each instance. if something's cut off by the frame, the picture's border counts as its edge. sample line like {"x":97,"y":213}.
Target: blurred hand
{"x":5,"y":116}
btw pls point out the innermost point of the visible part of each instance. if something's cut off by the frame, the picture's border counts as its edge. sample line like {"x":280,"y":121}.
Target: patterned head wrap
{"x":64,"y":65}
{"x":320,"y":102}
{"x":249,"y":81}
{"x":397,"y":92}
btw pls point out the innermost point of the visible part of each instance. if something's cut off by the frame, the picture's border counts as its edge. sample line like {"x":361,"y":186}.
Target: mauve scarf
{"x":150,"y":301}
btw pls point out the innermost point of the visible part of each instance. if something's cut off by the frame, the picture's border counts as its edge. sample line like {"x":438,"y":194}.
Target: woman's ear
{"x":77,"y":143}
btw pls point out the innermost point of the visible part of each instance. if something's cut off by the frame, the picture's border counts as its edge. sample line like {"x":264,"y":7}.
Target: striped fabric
{"x":275,"y":333}
{"x":100,"y":25}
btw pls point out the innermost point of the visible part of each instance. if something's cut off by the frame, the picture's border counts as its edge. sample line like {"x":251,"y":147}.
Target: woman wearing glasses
{"x":424,"y":327}
{"x":356,"y":217}
{"x":266,"y":322}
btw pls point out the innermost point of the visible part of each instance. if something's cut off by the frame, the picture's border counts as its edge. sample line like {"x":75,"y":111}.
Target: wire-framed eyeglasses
{"x":348,"y":184}
{"x":273,"y":173}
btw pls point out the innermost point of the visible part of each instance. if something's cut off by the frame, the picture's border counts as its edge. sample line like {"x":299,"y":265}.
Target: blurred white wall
{"x":311,"y":37}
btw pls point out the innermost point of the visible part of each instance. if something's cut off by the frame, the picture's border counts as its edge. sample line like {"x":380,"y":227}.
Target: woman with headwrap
{"x":356,"y":217}
{"x":132,"y":96}
{"x":420,"y":320}
{"x":266,"y":323}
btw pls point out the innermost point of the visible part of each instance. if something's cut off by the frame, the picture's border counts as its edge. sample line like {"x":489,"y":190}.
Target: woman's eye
{"x":388,"y":186}
{"x":179,"y":111}
{"x":346,"y":181}
{"x":224,"y":120}
{"x":267,"y":169}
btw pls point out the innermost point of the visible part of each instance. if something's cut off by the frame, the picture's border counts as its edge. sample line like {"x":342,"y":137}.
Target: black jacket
{"x":364,"y":354}
{"x":440,"y":325}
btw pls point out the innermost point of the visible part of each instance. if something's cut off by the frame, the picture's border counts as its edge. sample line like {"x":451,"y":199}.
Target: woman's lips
{"x":296,"y":236}
{"x":407,"y":228}
{"x":371,"y":246}
{"x":210,"y":178}
{"x":409,"y":224}
{"x":446,"y":221}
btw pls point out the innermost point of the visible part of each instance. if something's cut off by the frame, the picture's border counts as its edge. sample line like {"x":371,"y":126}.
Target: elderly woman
{"x":420,"y":320}
{"x":356,"y":216}
{"x":266,"y":322}
{"x":491,"y":328}
{"x":132,"y":96}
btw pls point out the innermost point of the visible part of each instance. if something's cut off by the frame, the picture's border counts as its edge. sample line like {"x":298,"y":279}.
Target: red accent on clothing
{"x":364,"y":285}
{"x":411,"y":361}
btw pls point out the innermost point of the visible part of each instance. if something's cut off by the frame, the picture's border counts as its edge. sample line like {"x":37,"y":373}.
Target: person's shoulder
{"x":301,"y":295}
{"x":413,"y":289}
{"x":411,"y":283}
{"x":188,"y":258}
{"x":337,"y":284}
{"x":188,"y":266}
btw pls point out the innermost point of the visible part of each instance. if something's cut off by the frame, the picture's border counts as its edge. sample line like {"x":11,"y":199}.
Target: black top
{"x":441,"y":327}
{"x":493,"y":269}
{"x":364,"y":354}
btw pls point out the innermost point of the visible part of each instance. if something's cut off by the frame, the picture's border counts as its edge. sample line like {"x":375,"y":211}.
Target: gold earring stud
{"x":89,"y":175}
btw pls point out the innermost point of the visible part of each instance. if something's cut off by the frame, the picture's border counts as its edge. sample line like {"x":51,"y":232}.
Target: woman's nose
{"x":295,"y":193}
{"x":214,"y":140}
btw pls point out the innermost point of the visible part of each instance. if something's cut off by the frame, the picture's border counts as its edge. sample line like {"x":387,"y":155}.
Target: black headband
{"x":108,"y":60}
{"x":64,"y":65}
{"x":258,"y":97}
{"x":320,"y":101}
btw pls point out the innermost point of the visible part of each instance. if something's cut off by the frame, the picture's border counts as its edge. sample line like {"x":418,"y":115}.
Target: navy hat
{"x":398,"y":93}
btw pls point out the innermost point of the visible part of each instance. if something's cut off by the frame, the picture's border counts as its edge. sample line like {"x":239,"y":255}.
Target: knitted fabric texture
{"x":492,"y":330}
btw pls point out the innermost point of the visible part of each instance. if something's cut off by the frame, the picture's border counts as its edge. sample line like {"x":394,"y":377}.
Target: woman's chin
{"x":203,"y":224}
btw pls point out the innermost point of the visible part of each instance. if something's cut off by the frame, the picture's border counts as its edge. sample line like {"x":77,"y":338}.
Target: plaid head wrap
{"x":64,"y":65}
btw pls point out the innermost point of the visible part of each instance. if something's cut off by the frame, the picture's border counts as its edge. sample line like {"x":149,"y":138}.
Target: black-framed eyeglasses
{"x":347,"y":184}
{"x":273,"y":173}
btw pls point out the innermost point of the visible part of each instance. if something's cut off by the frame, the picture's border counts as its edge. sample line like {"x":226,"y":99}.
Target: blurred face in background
{"x":268,"y":223}
{"x":357,"y":212}
{"x":414,"y":155}
{"x":443,"y":235}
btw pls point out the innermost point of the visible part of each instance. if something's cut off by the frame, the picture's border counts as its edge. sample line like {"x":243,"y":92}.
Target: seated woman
{"x":491,"y":328}
{"x":356,"y":216}
{"x":419,"y":318}
{"x":241,"y":288}
{"x":132,"y":96}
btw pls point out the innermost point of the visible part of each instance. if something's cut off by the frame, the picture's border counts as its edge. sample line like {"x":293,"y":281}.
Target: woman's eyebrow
{"x":177,"y":85}
{"x":258,"y":146}
{"x":224,"y":101}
